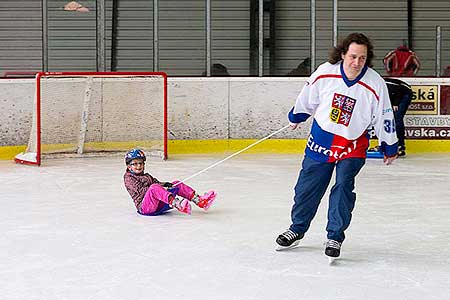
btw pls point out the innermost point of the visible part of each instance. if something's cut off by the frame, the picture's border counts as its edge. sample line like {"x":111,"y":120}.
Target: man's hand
{"x":394,"y":108}
{"x":389,"y":160}
{"x":293,"y":125}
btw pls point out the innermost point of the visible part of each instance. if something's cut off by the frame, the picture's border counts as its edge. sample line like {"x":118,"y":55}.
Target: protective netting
{"x":98,"y":114}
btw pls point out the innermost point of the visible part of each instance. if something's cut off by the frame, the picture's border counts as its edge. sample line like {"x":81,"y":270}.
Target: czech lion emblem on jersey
{"x":342,"y":109}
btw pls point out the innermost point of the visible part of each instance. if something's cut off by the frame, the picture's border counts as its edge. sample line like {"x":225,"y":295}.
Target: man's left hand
{"x":389,"y":160}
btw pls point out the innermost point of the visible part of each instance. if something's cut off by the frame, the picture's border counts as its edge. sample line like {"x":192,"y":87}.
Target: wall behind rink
{"x":16,"y":110}
{"x":198,"y":108}
{"x":231,"y":108}
{"x":225,"y":108}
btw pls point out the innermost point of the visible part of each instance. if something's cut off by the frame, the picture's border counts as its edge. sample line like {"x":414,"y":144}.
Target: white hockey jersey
{"x":343,"y":111}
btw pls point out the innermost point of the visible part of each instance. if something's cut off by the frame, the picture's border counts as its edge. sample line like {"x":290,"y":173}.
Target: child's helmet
{"x":134,"y":154}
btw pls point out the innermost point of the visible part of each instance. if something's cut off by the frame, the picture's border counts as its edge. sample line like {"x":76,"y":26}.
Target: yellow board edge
{"x":273,"y":146}
{"x":9,"y":152}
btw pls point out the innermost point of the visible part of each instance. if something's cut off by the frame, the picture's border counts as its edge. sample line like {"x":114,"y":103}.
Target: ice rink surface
{"x":69,"y":230}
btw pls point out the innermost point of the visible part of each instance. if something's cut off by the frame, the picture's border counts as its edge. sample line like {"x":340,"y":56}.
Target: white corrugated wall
{"x":72,"y":38}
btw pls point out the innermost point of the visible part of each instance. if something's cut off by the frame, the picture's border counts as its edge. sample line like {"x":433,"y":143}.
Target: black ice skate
{"x":401,"y":151}
{"x":332,"y":250}
{"x":288,"y":239}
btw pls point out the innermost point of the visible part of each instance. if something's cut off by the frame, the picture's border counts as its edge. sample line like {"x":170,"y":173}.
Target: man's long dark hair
{"x":342,"y":48}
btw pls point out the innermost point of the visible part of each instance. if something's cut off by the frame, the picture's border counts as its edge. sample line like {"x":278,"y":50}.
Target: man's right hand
{"x":293,"y":125}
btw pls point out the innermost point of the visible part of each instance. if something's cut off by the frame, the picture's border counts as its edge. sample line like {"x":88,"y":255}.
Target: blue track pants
{"x":312,"y":183}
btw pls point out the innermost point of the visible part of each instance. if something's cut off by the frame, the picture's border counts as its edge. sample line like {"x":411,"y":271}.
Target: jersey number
{"x":389,"y":126}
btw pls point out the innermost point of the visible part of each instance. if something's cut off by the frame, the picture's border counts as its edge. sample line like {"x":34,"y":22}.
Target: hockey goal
{"x":95,"y":113}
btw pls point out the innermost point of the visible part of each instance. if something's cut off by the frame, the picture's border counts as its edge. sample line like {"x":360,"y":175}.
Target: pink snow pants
{"x":157,"y":196}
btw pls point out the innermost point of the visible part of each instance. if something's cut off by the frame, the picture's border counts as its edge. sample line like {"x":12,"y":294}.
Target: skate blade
{"x":282,"y":248}
{"x":332,"y":260}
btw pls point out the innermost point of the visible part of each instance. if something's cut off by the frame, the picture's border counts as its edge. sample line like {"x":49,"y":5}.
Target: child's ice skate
{"x":206,"y":200}
{"x":182,"y":205}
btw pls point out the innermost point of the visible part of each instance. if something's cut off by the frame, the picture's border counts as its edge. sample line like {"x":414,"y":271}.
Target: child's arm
{"x":162,"y":183}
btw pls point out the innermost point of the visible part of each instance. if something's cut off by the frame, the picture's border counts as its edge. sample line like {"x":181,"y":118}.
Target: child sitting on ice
{"x":152,"y":197}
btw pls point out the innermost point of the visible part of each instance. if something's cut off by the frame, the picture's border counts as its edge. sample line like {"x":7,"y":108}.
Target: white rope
{"x":232,"y":155}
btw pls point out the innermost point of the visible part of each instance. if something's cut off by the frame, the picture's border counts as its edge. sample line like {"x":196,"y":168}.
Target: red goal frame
{"x":100,"y":74}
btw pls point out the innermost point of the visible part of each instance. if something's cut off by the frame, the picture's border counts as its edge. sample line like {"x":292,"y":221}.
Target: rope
{"x":232,"y":155}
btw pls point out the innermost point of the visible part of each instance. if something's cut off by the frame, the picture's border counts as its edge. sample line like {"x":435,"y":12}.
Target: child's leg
{"x":157,"y":196}
{"x":153,"y":197}
{"x":187,"y":192}
{"x":184,"y":190}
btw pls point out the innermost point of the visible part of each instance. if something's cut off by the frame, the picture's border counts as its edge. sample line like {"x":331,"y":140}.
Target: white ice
{"x":69,"y":230}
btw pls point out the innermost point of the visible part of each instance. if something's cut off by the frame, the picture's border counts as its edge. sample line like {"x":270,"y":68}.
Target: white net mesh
{"x":98,"y":114}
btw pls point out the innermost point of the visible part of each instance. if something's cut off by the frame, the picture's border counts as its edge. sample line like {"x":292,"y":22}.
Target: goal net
{"x":92,"y":114}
